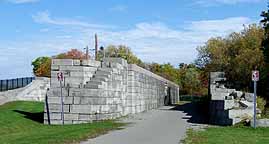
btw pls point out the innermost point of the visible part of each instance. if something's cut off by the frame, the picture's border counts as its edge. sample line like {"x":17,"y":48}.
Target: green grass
{"x":21,"y":122}
{"x":228,"y":135}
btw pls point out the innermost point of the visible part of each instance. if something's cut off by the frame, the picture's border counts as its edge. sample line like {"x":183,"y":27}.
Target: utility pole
{"x":96,"y":46}
{"x":87,"y":52}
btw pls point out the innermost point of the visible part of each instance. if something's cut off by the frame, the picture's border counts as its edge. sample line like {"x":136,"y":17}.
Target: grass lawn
{"x":21,"y":122}
{"x":228,"y":135}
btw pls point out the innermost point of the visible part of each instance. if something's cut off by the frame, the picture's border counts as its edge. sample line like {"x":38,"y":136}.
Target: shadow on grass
{"x":37,"y":117}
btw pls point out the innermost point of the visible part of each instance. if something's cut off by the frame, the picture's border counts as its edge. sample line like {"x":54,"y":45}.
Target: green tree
{"x":265,"y":48}
{"x":236,"y":55}
{"x":121,"y":51}
{"x":190,"y":80}
{"x":265,"y":43}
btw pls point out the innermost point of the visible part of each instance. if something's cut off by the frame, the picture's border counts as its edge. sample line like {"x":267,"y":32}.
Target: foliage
{"x":190,"y":80}
{"x":265,"y":48}
{"x":22,"y":122}
{"x":167,"y":71}
{"x":120,"y":51}
{"x":265,"y":43}
{"x":261,"y":102}
{"x":237,"y":55}
{"x":41,"y":66}
{"x":225,"y":135}
{"x":72,"y":54}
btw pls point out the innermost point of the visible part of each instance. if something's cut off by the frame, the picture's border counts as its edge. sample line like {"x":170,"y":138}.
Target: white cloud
{"x":45,"y":18}
{"x":119,"y":8}
{"x":219,"y":26}
{"x":161,"y":43}
{"x":228,"y":2}
{"x":152,"y":42}
{"x":22,"y":1}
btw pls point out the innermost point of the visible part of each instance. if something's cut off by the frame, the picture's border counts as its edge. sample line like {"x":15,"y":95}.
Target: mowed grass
{"x":228,"y":135}
{"x":21,"y":122}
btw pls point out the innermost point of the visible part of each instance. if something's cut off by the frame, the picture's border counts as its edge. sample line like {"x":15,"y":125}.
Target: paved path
{"x":161,"y":126}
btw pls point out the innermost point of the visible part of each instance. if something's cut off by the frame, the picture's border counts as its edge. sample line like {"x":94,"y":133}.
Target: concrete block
{"x":54,"y":108}
{"x":71,"y":116}
{"x":62,"y":62}
{"x":91,"y":63}
{"x":83,"y":109}
{"x":81,"y":122}
{"x":85,"y":117}
{"x":229,"y":104}
{"x":53,"y":116}
{"x":57,"y":100}
{"x":261,"y":123}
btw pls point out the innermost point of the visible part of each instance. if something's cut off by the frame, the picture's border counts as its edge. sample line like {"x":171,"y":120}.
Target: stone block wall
{"x":228,"y":106}
{"x":146,"y":90}
{"x":96,"y":91}
{"x":35,"y":91}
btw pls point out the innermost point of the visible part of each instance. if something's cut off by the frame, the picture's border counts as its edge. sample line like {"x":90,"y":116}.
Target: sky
{"x":159,"y":31}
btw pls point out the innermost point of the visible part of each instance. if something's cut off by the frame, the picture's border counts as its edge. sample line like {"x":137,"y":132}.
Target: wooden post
{"x":87,"y":52}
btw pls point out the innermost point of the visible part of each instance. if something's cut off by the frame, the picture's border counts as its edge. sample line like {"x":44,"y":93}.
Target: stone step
{"x":97,"y":82}
{"x":99,"y":79}
{"x":93,"y":86}
{"x":99,"y":75}
{"x":106,"y":69}
{"x":246,"y":104}
{"x":103,"y":72}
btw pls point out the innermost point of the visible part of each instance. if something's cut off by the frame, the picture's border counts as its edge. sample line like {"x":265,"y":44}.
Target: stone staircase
{"x":100,"y":78}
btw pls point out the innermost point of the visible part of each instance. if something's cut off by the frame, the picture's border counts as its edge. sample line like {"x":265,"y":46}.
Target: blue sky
{"x":157,"y":31}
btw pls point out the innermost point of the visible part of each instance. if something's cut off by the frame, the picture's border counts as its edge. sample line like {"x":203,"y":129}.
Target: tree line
{"x":236,"y":54}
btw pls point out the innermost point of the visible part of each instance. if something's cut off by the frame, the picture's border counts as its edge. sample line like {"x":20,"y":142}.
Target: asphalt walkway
{"x":166,"y":125}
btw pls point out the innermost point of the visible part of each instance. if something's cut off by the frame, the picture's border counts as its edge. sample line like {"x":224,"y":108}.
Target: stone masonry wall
{"x":146,"y":90}
{"x":96,"y":91}
{"x":228,"y":106}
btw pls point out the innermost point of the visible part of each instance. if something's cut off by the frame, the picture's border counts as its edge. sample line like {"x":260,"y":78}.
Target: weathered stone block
{"x":62,"y":62}
{"x":57,"y":100}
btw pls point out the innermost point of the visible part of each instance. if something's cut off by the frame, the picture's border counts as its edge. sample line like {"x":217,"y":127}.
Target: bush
{"x":261,"y":102}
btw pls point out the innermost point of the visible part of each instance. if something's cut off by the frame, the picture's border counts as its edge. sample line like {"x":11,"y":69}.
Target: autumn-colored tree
{"x":44,"y":69}
{"x":41,"y":66}
{"x":72,"y":54}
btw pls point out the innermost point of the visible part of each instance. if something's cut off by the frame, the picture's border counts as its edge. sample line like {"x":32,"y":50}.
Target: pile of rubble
{"x":228,"y":106}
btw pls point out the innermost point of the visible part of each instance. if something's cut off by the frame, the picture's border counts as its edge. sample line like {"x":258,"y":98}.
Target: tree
{"x":265,"y":49}
{"x":120,"y":51}
{"x":265,"y":43}
{"x":72,"y":54}
{"x":41,"y":66}
{"x":236,"y":55}
{"x":190,"y":80}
